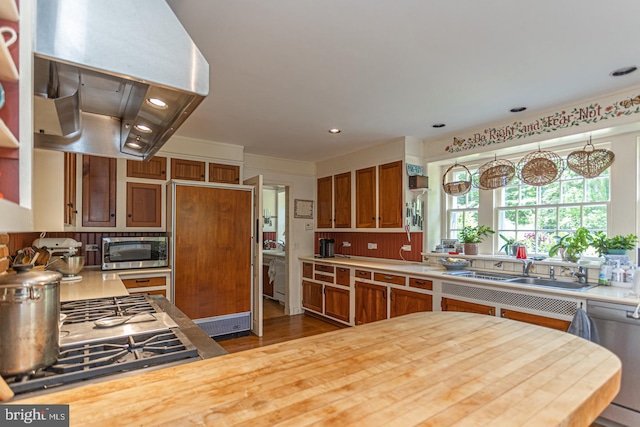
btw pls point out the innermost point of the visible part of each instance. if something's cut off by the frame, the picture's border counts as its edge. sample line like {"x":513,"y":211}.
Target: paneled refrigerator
{"x":211,"y":231}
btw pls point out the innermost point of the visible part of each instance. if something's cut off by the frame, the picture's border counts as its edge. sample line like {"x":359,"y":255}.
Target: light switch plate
{"x":308,"y":226}
{"x":372,"y":246}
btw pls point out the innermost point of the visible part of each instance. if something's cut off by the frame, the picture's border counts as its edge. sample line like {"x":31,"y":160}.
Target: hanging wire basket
{"x":495,"y":174}
{"x":540,"y":168}
{"x":456,"y":188}
{"x":590,"y":163}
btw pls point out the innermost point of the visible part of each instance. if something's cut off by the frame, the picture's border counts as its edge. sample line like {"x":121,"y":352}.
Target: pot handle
{"x":35,"y":294}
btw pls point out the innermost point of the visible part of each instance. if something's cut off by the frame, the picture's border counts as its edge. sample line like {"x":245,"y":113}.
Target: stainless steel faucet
{"x":526,"y":267}
{"x":581,"y":274}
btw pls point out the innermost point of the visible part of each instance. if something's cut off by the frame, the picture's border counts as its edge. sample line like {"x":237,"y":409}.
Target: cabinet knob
{"x":129,"y":215}
{"x":373,"y":218}
{"x":112,"y":215}
{"x":70,"y":205}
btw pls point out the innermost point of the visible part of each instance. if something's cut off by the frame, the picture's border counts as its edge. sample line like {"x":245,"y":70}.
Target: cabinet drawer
{"x":324,"y":278}
{"x":389,"y":278}
{"x":420,"y":283}
{"x":363,"y":274}
{"x":144,"y":282}
{"x":307,"y":270}
{"x":325,"y":268}
{"x":157,"y":292}
{"x":343,"y":276}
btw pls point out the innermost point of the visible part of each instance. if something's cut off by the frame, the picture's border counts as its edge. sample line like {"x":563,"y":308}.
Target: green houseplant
{"x":471,"y":236}
{"x":571,"y":246}
{"x":510,"y":245}
{"x":613,"y":245}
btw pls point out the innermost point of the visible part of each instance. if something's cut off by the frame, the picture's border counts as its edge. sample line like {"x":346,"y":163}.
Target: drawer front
{"x":363,"y":274}
{"x":324,"y":278}
{"x":325,"y":268}
{"x":156,"y":292}
{"x":307,"y":270}
{"x":343,"y":276}
{"x":389,"y":278}
{"x":145,"y":282}
{"x":421,"y":283}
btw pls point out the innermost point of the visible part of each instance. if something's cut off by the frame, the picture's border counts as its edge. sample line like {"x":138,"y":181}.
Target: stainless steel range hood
{"x":102,"y":71}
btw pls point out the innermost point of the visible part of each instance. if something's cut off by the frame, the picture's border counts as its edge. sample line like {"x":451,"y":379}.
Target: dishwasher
{"x":619,"y":332}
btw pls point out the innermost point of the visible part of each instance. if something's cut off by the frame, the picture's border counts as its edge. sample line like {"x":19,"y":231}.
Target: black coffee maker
{"x":327,"y":248}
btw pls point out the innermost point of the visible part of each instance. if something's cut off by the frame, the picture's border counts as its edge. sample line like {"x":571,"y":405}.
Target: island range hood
{"x":113,"y":78}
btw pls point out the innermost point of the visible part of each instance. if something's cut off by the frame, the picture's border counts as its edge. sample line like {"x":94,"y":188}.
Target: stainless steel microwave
{"x":134,"y":252}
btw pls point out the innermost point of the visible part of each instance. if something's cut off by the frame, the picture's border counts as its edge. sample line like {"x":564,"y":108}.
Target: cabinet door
{"x":405,"y":302}
{"x":228,"y":174}
{"x":343,"y":276}
{"x":144,"y":207}
{"x":307,"y":270}
{"x":342,"y":202}
{"x":70,"y":208}
{"x":98,"y":191}
{"x":155,"y":168}
{"x":187,"y":169}
{"x":312,"y":296}
{"x":336,"y":303}
{"x":371,"y":303}
{"x":449,"y":304}
{"x":267,"y":284}
{"x":366,"y":198}
{"x":549,"y":322}
{"x":325,"y":205}
{"x":390,"y":195}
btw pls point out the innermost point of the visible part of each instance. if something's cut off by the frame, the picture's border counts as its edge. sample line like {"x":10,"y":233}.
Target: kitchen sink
{"x":523,"y":280}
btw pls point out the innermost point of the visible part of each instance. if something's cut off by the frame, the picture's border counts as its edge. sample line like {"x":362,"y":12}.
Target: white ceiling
{"x":283,"y":72}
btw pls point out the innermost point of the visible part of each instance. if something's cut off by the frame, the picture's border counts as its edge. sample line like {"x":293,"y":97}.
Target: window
{"x":463,"y":210}
{"x":534,"y":215}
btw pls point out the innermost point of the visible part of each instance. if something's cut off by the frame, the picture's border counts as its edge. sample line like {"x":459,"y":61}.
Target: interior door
{"x":256,"y":312}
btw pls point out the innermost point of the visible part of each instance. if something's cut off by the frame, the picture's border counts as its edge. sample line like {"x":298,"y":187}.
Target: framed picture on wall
{"x":303,"y":209}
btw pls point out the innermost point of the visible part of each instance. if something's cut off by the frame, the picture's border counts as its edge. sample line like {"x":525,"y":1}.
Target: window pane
{"x":471,"y":218}
{"x":528,"y":195}
{"x":545,"y":241}
{"x":550,"y":194}
{"x":526,"y":219}
{"x":507,"y":219}
{"x":597,"y":190}
{"x":572,"y":191}
{"x":547,"y":219}
{"x":569,"y":218}
{"x":457,"y":220}
{"x":594,"y":217}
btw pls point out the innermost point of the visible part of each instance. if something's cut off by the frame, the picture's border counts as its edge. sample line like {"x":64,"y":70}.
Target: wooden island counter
{"x":434,"y":368}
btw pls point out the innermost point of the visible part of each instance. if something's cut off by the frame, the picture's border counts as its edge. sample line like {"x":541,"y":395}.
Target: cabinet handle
{"x":391,"y":294}
{"x":388,"y":277}
{"x":503,"y":314}
{"x":490,"y":312}
{"x":384,"y":294}
{"x":70,"y":205}
{"x":362,"y":273}
{"x":129,"y":215}
{"x":420,"y":282}
{"x":112,"y":215}
{"x":342,"y":270}
{"x":142,"y":280}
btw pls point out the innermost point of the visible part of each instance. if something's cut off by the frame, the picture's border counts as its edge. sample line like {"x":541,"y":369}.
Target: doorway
{"x":275,"y":253}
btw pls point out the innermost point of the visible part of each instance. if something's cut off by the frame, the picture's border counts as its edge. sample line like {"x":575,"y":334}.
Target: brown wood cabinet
{"x":549,"y":322}
{"x":342,"y":201}
{"x":405,"y":302}
{"x":312,"y":296}
{"x":307,"y":270}
{"x":70,"y":207}
{"x":154,"y":168}
{"x":187,"y":169}
{"x":390,"y":195}
{"x":450,"y":304}
{"x":267,"y":284}
{"x":139,"y":285}
{"x":366,"y":198}
{"x":336,"y":303}
{"x":144,"y":208}
{"x":389,"y":278}
{"x":343,"y":276}
{"x":324,"y":268}
{"x":371,"y":303}
{"x":228,"y":174}
{"x":324,"y":189}
{"x":98,"y":191}
{"x":420,"y":283}
{"x":363,"y":274}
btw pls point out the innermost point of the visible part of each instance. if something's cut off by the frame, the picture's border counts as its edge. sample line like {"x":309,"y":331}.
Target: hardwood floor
{"x":279,"y":327}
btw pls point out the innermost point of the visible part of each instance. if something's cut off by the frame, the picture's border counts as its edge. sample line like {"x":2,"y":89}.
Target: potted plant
{"x":510,"y":246}
{"x":471,"y":236}
{"x":571,"y":246}
{"x":616,"y":245}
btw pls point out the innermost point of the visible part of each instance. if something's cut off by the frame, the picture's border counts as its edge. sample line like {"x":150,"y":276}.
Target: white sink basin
{"x":274,"y":252}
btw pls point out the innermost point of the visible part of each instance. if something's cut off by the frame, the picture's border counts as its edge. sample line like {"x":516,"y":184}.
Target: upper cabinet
{"x":155,"y":168}
{"x":366,"y":198}
{"x":227,"y":174}
{"x":324,"y":190}
{"x":188,"y":169}
{"x":98,"y":191}
{"x":390,"y":195}
{"x":334,"y":201}
{"x":70,"y":205}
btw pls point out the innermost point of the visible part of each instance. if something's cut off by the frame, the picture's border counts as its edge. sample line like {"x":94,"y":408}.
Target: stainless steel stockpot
{"x":29,"y":316}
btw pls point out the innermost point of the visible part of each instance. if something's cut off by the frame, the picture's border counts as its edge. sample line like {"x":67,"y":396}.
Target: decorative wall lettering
{"x":592,"y":113}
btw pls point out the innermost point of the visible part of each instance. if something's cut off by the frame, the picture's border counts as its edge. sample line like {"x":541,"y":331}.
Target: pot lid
{"x":30,"y":278}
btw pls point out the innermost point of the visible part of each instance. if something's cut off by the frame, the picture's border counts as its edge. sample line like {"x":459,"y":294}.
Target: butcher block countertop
{"x":435,"y":368}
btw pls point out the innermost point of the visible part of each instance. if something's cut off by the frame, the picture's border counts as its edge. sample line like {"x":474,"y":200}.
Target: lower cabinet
{"x":450,"y":304}
{"x":371,"y":303}
{"x":336,"y":303}
{"x":312,"y":296}
{"x":405,"y":302}
{"x":549,"y":322}
{"x":147,"y":284}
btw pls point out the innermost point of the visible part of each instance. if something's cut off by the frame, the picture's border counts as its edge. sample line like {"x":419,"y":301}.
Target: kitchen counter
{"x":442,"y":368}
{"x":600,"y":293}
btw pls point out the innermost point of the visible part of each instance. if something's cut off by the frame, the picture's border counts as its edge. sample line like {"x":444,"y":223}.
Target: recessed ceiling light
{"x":518,"y":109}
{"x":133,"y":144}
{"x":623,"y":71}
{"x":143,"y":128}
{"x":157,"y":103}
{"x":334,"y":130}
{"x":438,"y":125}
